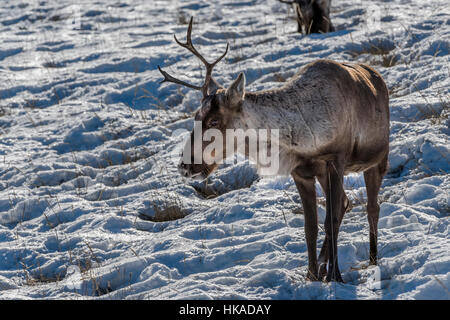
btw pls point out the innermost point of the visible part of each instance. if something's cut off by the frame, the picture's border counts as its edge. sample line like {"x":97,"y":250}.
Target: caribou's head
{"x":219,"y":107}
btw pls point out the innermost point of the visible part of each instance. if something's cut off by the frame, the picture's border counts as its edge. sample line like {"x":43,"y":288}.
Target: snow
{"x":88,"y":153}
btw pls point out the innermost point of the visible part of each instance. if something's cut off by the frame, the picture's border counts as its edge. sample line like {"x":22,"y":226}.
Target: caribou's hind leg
{"x":373,"y":178}
{"x":322,"y":177}
{"x":346,"y":206}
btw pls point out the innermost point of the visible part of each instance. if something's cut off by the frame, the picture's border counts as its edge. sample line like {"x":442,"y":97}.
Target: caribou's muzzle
{"x":194,"y":171}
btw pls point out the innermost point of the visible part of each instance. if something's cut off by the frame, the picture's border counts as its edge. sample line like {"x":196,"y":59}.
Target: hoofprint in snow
{"x":92,"y":205}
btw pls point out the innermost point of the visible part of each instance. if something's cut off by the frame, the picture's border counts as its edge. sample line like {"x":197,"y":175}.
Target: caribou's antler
{"x":209,"y":66}
{"x":169,"y":78}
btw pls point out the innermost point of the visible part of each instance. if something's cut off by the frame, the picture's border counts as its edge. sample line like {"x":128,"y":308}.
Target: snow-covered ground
{"x":87,"y":175}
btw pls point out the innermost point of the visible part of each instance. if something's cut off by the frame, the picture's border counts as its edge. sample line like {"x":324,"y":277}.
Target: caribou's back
{"x":355,"y":100}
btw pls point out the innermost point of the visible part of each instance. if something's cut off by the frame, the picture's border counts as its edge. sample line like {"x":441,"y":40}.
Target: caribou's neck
{"x":259,"y":109}
{"x":266,"y":110}
{"x":287,"y":110}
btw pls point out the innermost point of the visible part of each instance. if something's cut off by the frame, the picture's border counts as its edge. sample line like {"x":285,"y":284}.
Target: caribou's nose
{"x":183,"y":169}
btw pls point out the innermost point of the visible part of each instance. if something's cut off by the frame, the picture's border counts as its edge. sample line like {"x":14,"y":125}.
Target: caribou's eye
{"x":213,"y":123}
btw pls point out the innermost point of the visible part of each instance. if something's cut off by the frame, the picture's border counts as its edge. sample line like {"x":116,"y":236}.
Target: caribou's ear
{"x":213,"y":86}
{"x":236,"y":91}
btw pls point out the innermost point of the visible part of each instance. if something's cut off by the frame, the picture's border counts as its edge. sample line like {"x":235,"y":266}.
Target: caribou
{"x":313,"y":16}
{"x":333,"y":119}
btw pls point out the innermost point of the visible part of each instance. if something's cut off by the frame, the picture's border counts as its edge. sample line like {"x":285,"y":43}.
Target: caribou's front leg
{"x":307,"y":190}
{"x":334,"y":196}
{"x":332,"y":28}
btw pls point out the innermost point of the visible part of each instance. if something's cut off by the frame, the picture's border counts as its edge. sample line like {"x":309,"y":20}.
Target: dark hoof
{"x":348,"y":206}
{"x":322,"y":271}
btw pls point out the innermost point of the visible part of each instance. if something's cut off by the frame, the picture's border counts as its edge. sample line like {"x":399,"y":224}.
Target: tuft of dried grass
{"x":377,"y":55}
{"x":169,"y":213}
